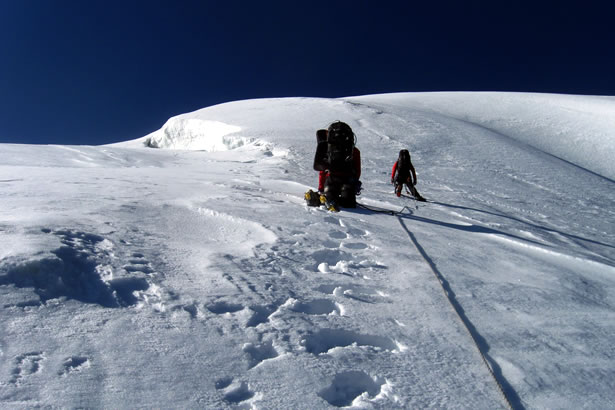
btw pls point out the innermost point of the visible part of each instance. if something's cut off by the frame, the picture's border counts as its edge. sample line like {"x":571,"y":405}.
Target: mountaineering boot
{"x":312,"y":198}
{"x":332,"y":206}
{"x":416,"y":194}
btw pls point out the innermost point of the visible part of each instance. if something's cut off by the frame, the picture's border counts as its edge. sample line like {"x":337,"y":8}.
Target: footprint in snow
{"x":324,"y":340}
{"x":191,"y":309}
{"x":27,"y":364}
{"x":330,"y":256}
{"x":348,"y":386}
{"x":261,"y":313}
{"x":258,"y":353}
{"x":331,"y":220}
{"x":74,"y":364}
{"x":338,"y":235}
{"x":234,"y":392}
{"x":317,"y":307}
{"x":331,"y":244}
{"x":357,"y":292}
{"x":357,"y":233}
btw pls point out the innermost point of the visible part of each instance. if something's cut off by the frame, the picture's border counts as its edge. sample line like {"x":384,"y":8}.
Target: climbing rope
{"x":383,"y":211}
{"x":450,"y":296}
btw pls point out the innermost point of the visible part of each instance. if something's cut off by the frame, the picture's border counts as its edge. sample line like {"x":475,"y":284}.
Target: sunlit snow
{"x":193,"y":275}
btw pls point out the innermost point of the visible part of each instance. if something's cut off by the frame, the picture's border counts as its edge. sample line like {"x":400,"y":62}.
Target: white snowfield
{"x":194,"y":275}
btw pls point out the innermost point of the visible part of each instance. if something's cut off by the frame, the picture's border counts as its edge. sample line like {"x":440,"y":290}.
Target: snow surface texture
{"x":133,"y":277}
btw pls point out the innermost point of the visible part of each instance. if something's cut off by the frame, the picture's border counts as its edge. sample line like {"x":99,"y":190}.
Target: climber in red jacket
{"x":403,"y":173}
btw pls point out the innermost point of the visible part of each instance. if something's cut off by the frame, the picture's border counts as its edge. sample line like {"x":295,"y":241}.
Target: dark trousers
{"x":341,"y":191}
{"x":399,"y":183}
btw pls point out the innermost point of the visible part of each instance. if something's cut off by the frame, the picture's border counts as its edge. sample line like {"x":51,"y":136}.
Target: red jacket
{"x":356,"y":163}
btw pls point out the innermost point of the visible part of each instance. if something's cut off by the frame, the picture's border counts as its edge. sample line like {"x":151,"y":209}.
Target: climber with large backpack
{"x":404,"y":174}
{"x":338,"y":161}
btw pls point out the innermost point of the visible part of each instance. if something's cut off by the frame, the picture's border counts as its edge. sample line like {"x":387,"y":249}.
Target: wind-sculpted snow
{"x":195,"y":134}
{"x":194,"y":276}
{"x":76,"y":271}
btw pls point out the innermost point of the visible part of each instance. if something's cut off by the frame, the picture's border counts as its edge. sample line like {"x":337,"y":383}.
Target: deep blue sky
{"x":95,"y":72}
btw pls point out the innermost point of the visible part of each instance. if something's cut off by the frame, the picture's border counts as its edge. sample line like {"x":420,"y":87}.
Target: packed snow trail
{"x":139,"y":277}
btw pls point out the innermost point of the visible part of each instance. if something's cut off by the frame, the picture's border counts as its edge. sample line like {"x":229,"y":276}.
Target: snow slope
{"x":193,"y":276}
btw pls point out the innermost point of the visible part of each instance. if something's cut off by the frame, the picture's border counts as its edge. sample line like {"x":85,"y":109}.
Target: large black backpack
{"x":340,"y":144}
{"x":403,"y":163}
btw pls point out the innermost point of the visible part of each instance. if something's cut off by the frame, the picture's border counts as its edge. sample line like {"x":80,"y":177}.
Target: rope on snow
{"x":510,"y":396}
